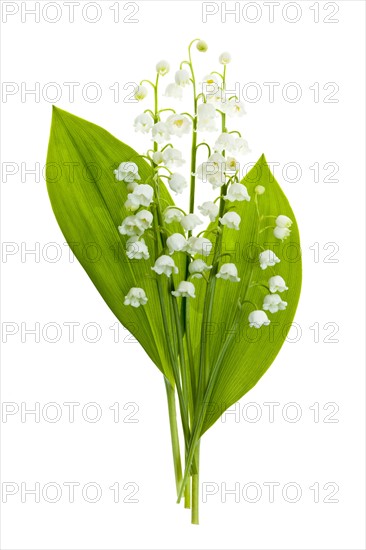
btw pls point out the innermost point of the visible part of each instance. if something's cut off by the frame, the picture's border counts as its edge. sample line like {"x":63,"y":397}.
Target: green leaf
{"x":250,"y":351}
{"x":89,"y":206}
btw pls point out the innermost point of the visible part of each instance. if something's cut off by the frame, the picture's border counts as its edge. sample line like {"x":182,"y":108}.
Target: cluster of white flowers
{"x":137,"y":224}
{"x":177,"y":242}
{"x":272,"y":302}
{"x":217,"y":97}
{"x":216,"y":170}
{"x":174,"y":125}
{"x":142,"y":195}
{"x":282,"y":229}
{"x":221,"y":169}
{"x":192,"y":245}
{"x":232,"y":144}
{"x":134,"y":226}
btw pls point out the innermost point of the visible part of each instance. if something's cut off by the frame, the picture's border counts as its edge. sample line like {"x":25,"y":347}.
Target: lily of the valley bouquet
{"x":209,"y":289}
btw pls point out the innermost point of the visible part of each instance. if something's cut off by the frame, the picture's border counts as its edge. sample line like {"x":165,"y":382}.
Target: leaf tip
{"x":263,"y":158}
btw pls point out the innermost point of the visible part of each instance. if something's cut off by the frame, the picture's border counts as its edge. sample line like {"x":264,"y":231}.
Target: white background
{"x":306,"y":372}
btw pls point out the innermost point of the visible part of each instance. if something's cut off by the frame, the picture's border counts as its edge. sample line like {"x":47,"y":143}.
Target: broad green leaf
{"x":251,"y":351}
{"x":89,"y":206}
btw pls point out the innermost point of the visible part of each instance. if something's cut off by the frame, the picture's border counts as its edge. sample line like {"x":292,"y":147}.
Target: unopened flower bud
{"x":259,"y":190}
{"x":202,"y":46}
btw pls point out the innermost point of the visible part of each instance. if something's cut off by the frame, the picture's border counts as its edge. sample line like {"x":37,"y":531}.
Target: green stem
{"x":196,"y":431}
{"x":186,"y":382}
{"x":187,"y":495}
{"x":205,"y":145}
{"x":205,"y":376}
{"x":265,"y":228}
{"x":207,"y":307}
{"x":186,"y":386}
{"x":148,"y":82}
{"x":190,"y":352}
{"x":193,"y":159}
{"x":195,"y":489}
{"x":194,"y":136}
{"x":174,"y":434}
{"x":159,"y":221}
{"x":182,"y":403}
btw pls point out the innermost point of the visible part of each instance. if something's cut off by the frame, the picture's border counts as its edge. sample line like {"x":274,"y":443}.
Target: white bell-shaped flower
{"x":140,"y":93}
{"x":177,"y":183}
{"x":165,"y":265}
{"x":233,"y":107}
{"x":231,"y":220}
{"x":162,"y":67}
{"x":144,"y":219}
{"x":142,"y":193}
{"x":228,"y":272}
{"x":209,"y":209}
{"x":273,"y":303}
{"x":206,"y":113}
{"x":132,"y":203}
{"x":143,"y":123}
{"x":160,"y":132}
{"x":225,"y":142}
{"x":190,"y":222}
{"x":178,"y":125}
{"x":136,"y":249}
{"x":174,"y":91}
{"x":157,"y":157}
{"x":210,"y":86}
{"x":217,"y":180}
{"x":213,"y":170}
{"x":130,"y":226}
{"x":210,"y":167}
{"x":281,"y":232}
{"x":176,"y":243}
{"x":225,"y":58}
{"x":131,"y":186}
{"x":258,"y":318}
{"x":182,"y":78}
{"x":185,"y":290}
{"x":232,"y":165}
{"x":214,"y":97}
{"x":198,"y":245}
{"x":283,"y":221}
{"x":210,"y":79}
{"x":127,"y":171}
{"x":268,"y":258}
{"x":135,"y":297}
{"x":197,"y":267}
{"x":277,"y":284}
{"x":172,"y":215}
{"x":241,"y":146}
{"x":237,"y":192}
{"x":172,"y":158}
